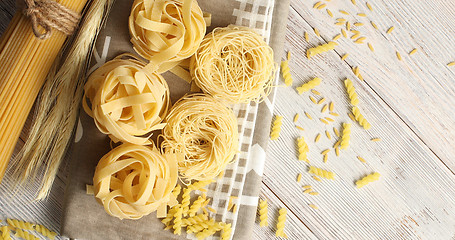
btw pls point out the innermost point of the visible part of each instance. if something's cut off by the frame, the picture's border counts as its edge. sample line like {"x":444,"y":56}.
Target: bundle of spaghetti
{"x":166,"y":31}
{"x":234,"y":63}
{"x":320,"y":49}
{"x":280,"y":223}
{"x":132,"y":181}
{"x":263,"y":210}
{"x":309,"y":85}
{"x":345,"y":136}
{"x":367,"y":179}
{"x":205,"y":131}
{"x":360,"y":118}
{"x":321,"y":172}
{"x":25,"y":62}
{"x":303,"y":149}
{"x":351,"y":91}
{"x":57,"y":107}
{"x":127,"y":102}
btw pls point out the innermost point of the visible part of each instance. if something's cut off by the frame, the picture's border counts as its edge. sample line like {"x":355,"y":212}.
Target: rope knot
{"x":48,"y":14}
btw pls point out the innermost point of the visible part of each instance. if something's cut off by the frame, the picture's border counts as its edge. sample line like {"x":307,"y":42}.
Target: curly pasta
{"x":303,"y":149}
{"x":170,"y":215}
{"x":234,"y":63}
{"x":309,"y":85}
{"x":197,"y":204}
{"x":360,"y":118}
{"x":345,"y":136}
{"x":321,"y":173}
{"x":199,"y":184}
{"x":320,"y":49}
{"x":127,"y":102}
{"x":205,"y":131}
{"x":276,"y":127}
{"x":367,"y":179}
{"x":263,"y":210}
{"x":45,"y":231}
{"x":286,"y":71}
{"x":280,"y":223}
{"x":200,"y":226}
{"x":5,"y":233}
{"x":351,"y":92}
{"x":20,"y":224}
{"x":25,"y":235}
{"x":123,"y":173}
{"x":194,"y":220}
{"x":227,"y":231}
{"x":186,"y":198}
{"x":166,"y":32}
{"x":178,"y":220}
{"x":212,"y":229}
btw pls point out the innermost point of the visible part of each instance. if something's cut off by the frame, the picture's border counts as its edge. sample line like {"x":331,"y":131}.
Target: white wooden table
{"x":410,"y":104}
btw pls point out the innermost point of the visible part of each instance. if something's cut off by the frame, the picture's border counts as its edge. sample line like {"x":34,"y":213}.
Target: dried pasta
{"x":127,"y":102}
{"x":335,"y":130}
{"x":313,"y":99}
{"x":299,"y":177}
{"x":205,"y":131}
{"x":375,"y":139}
{"x":329,"y":12}
{"x":321,"y":49}
{"x":307,"y":39}
{"x":308,"y":116}
{"x":213,"y":228}
{"x":186,"y":199}
{"x":20,"y":224}
{"x":281,"y":223}
{"x":367,"y":179}
{"x":370,"y":47}
{"x":197,"y":204}
{"x":451,"y":64}
{"x":302,"y":149}
{"x":345,"y":136}
{"x":369,"y":6}
{"x":25,"y":235}
{"x":166,"y":32}
{"x":360,"y":118}
{"x":125,"y":170}
{"x":317,"y":137}
{"x":374,"y":25}
{"x":227,"y":232}
{"x":263,"y":211}
{"x":321,"y":173}
{"x":413,"y":51}
{"x":286,"y":71}
{"x":328,"y":135}
{"x":361,"y":159}
{"x":45,"y":231}
{"x":398,"y":56}
{"x":322,"y":100}
{"x":296,"y":117}
{"x":351,"y":91}
{"x":178,"y":220}
{"x":309,"y":85}
{"x":276,"y":127}
{"x":219,"y":65}
{"x":390,"y":30}
{"x":194,"y":220}
{"x":313,"y":206}
{"x":5,"y":233}
{"x":324,"y":108}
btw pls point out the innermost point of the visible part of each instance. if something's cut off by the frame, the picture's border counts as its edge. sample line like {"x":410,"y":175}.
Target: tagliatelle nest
{"x":235,"y":64}
{"x":205,"y":131}
{"x":127,"y":102}
{"x":132,"y":181}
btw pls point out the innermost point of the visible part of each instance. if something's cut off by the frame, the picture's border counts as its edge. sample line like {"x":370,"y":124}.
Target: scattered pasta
{"x":398,"y":56}
{"x":315,"y":92}
{"x":296,"y":117}
{"x":329,"y":12}
{"x":451,"y":64}
{"x":308,"y":115}
{"x":345,"y":56}
{"x":307,"y":39}
{"x":317,"y":138}
{"x":322,"y":100}
{"x":196,"y":206}
{"x":314,"y":193}
{"x":324,"y":108}
{"x":307,"y":190}
{"x":321,"y":173}
{"x":344,"y":12}
{"x":346,"y":136}
{"x":361,"y":159}
{"x":370,"y":47}
{"x":299,"y":177}
{"x":300,"y":128}
{"x":321,"y":49}
{"x":360,"y":118}
{"x":374,"y":25}
{"x":325,"y":151}
{"x":276,"y":127}
{"x":343,"y":32}
{"x":306,"y":187}
{"x":369,"y":6}
{"x":280,"y":223}
{"x":367,"y":179}
{"x":313,"y":99}
{"x":313,"y":206}
{"x":335,"y":130}
{"x":302,"y":149}
{"x":413,"y":51}
{"x":361,"y":14}
{"x":390,"y":30}
{"x":309,"y":85}
{"x":316,"y":178}
{"x":316,"y":31}
{"x":328,"y":135}
{"x":286,"y":71}
{"x":351,"y":91}
{"x":331,"y":106}
{"x":323,"y":121}
{"x":375,"y":139}
{"x":263,"y":211}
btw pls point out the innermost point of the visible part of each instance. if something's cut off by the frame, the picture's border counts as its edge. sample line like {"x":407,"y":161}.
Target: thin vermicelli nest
{"x":205,"y":131}
{"x":235,"y":64}
{"x":127,"y":102}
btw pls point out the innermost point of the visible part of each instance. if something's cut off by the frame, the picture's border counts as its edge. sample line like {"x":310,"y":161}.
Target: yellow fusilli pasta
{"x":227,"y":231}
{"x":276,"y":127}
{"x":5,"y":233}
{"x":321,"y":49}
{"x":309,"y":85}
{"x":178,"y":220}
{"x":194,"y":220}
{"x":45,"y":231}
{"x":197,"y":204}
{"x":200,"y":226}
{"x":351,"y":92}
{"x":263,"y":211}
{"x":25,"y":235}
{"x":367,"y":179}
{"x":321,"y":173}
{"x":213,"y":228}
{"x":186,"y":201}
{"x":286,"y":71}
{"x":170,"y":215}
{"x":302,"y":149}
{"x":20,"y":224}
{"x":360,"y":118}
{"x":280,"y":223}
{"x":345,"y":136}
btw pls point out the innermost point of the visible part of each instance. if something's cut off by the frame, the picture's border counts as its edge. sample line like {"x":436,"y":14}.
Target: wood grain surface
{"x":409,"y":104}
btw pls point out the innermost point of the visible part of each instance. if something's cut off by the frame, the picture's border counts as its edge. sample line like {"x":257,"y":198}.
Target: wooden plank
{"x":415,"y":196}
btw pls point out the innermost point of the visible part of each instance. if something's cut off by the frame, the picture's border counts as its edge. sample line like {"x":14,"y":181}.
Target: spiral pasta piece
{"x":303,"y":149}
{"x":194,"y":220}
{"x":170,"y":216}
{"x":132,"y":181}
{"x":280,"y":224}
{"x":320,"y":49}
{"x":276,"y":128}
{"x":166,"y":31}
{"x":205,"y":132}
{"x":227,"y":231}
{"x":367,"y":179}
{"x":25,"y":235}
{"x":351,"y":91}
{"x":45,"y":231}
{"x":360,"y":118}
{"x":345,"y":136}
{"x":263,"y":210}
{"x":126,"y":101}
{"x":212,"y":229}
{"x":309,"y":85}
{"x":5,"y":233}
{"x":200,"y":226}
{"x":234,"y":63}
{"x":186,"y":201}
{"x":197,"y":204}
{"x":20,"y":224}
{"x":178,"y":220}
{"x":286,"y":71}
{"x":321,"y":173}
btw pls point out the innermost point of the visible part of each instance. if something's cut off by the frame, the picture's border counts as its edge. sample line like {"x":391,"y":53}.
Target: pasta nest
{"x":127,"y":102}
{"x":205,"y":131}
{"x":166,"y":31}
{"x":132,"y":181}
{"x":234,"y":63}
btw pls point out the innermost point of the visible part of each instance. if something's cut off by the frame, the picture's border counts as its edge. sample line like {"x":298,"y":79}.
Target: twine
{"x":49,"y":14}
